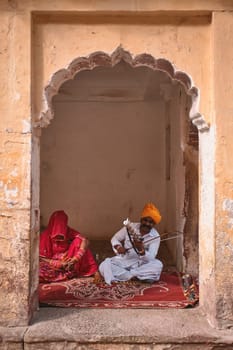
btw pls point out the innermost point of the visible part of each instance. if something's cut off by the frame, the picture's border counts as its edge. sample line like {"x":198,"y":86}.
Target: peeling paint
{"x":230,"y":224}
{"x":14,"y":173}
{"x":229,"y":247}
{"x":228,"y":205}
{"x":9,"y":193}
{"x":17,"y":96}
{"x":26,"y":126}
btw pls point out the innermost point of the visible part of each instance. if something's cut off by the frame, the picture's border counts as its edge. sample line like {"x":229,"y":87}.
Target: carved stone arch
{"x":102,"y":59}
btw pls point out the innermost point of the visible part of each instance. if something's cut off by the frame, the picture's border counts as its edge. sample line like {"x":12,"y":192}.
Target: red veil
{"x":50,"y":248}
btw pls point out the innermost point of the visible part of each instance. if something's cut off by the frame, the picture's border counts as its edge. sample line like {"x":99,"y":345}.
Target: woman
{"x":64,"y":253}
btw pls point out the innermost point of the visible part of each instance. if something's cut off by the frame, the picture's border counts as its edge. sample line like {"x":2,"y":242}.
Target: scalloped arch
{"x":102,"y":59}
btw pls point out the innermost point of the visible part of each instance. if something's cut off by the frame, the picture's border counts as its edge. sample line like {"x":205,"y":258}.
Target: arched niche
{"x":102,"y":59}
{"x":181,"y":123}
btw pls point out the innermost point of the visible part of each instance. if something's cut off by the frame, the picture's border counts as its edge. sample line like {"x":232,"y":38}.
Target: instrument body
{"x":134,"y":234}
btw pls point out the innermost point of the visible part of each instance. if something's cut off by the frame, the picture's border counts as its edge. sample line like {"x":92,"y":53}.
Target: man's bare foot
{"x":97,"y":277}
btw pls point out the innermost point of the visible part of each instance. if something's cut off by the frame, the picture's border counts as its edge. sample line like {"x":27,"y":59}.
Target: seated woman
{"x":64,"y":252}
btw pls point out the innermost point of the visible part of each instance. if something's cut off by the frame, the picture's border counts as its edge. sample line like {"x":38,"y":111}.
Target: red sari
{"x":53,"y":251}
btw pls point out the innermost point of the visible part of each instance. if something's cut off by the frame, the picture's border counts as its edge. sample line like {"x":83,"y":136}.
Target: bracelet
{"x":80,"y":254}
{"x":56,"y":264}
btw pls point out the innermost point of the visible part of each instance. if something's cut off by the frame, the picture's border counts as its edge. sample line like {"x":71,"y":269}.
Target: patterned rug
{"x":172,"y":291}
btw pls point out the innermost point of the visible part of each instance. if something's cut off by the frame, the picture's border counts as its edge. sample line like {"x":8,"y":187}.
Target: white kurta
{"x":125,"y":266}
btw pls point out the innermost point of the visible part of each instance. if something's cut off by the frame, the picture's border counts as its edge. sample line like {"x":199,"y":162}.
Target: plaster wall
{"x":15,"y":170}
{"x":101,"y":162}
{"x":175,"y":184}
{"x":194,"y":36}
{"x":223,"y":169}
{"x":158,"y":35}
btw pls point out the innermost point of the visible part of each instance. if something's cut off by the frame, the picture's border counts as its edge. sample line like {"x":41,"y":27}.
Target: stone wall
{"x":40,"y":38}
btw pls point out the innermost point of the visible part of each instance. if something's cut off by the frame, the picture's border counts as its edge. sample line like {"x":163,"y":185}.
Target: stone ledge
{"x":114,"y":326}
{"x":12,"y":334}
{"x":12,"y":338}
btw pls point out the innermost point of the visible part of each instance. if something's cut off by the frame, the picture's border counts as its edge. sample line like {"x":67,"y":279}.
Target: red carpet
{"x":84,"y":293}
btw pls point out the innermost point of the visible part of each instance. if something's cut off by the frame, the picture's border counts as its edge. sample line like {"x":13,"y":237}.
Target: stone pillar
{"x":223,"y":107}
{"x":15,"y":172}
{"x":206,"y":224}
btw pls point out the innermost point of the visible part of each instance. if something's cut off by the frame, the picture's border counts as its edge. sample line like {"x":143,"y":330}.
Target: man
{"x":135,"y":252}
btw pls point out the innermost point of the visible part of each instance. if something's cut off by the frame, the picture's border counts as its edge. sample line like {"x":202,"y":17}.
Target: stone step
{"x":128,"y":329}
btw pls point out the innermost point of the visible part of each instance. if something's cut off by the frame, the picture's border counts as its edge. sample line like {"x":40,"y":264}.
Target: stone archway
{"x":100,"y":59}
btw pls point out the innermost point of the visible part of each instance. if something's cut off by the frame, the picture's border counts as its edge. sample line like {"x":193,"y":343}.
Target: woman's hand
{"x":69,"y":263}
{"x":55,"y":264}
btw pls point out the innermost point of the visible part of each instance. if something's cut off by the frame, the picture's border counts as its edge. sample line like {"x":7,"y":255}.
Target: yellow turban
{"x":152,"y":211}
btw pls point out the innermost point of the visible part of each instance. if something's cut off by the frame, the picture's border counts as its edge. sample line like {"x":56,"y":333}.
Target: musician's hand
{"x":138,"y":245}
{"x":120,"y":249}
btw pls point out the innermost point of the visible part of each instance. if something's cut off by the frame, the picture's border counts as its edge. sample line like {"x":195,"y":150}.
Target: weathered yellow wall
{"x":189,"y":38}
{"x":223,"y":73}
{"x":15,"y":155}
{"x":184,"y":41}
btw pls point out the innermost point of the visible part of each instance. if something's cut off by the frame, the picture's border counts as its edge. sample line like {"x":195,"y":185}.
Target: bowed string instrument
{"x":135,"y":235}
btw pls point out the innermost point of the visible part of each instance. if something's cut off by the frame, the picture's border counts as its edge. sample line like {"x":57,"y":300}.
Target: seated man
{"x":64,"y":252}
{"x":135,"y":252}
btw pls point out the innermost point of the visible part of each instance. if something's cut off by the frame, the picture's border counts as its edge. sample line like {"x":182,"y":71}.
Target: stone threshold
{"x":115,"y":326}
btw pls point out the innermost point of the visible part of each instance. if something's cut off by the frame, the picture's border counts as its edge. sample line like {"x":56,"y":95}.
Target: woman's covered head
{"x":58,"y":225}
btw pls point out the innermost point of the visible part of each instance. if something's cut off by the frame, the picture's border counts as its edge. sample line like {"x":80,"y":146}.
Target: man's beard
{"x":146,"y":226}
